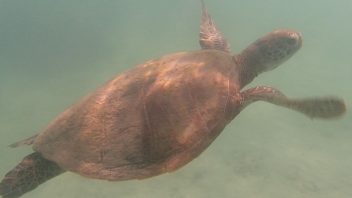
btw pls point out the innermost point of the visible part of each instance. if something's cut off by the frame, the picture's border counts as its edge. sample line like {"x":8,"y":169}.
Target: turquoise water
{"x":54,"y":52}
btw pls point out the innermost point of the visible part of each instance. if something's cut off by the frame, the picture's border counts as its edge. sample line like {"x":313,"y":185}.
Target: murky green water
{"x":54,"y":52}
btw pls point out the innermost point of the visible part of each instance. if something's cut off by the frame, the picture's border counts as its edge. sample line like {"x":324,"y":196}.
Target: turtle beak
{"x":300,"y":39}
{"x":296,"y":36}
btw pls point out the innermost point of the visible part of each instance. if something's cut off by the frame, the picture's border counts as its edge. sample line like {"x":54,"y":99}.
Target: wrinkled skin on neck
{"x":267,"y":53}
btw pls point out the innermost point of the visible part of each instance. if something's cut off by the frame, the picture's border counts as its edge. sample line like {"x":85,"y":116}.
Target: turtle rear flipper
{"x":32,"y":171}
{"x":323,"y":107}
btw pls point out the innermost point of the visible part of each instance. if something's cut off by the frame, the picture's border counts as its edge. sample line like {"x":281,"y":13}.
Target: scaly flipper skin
{"x":210,"y":37}
{"x":27,"y":175}
{"x":25,"y":142}
{"x":322,"y":107}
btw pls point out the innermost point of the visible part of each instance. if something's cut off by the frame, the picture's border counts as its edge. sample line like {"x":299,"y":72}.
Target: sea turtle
{"x":160,"y":115}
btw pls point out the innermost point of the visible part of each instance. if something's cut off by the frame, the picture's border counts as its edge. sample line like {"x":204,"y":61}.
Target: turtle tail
{"x":32,"y":171}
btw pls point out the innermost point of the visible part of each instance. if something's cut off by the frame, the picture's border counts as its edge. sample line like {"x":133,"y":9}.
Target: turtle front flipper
{"x":26,"y":142}
{"x":32,"y":171}
{"x":210,"y":37}
{"x":322,"y":107}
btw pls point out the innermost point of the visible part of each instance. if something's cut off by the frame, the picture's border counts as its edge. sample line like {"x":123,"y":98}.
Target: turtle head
{"x":269,"y":52}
